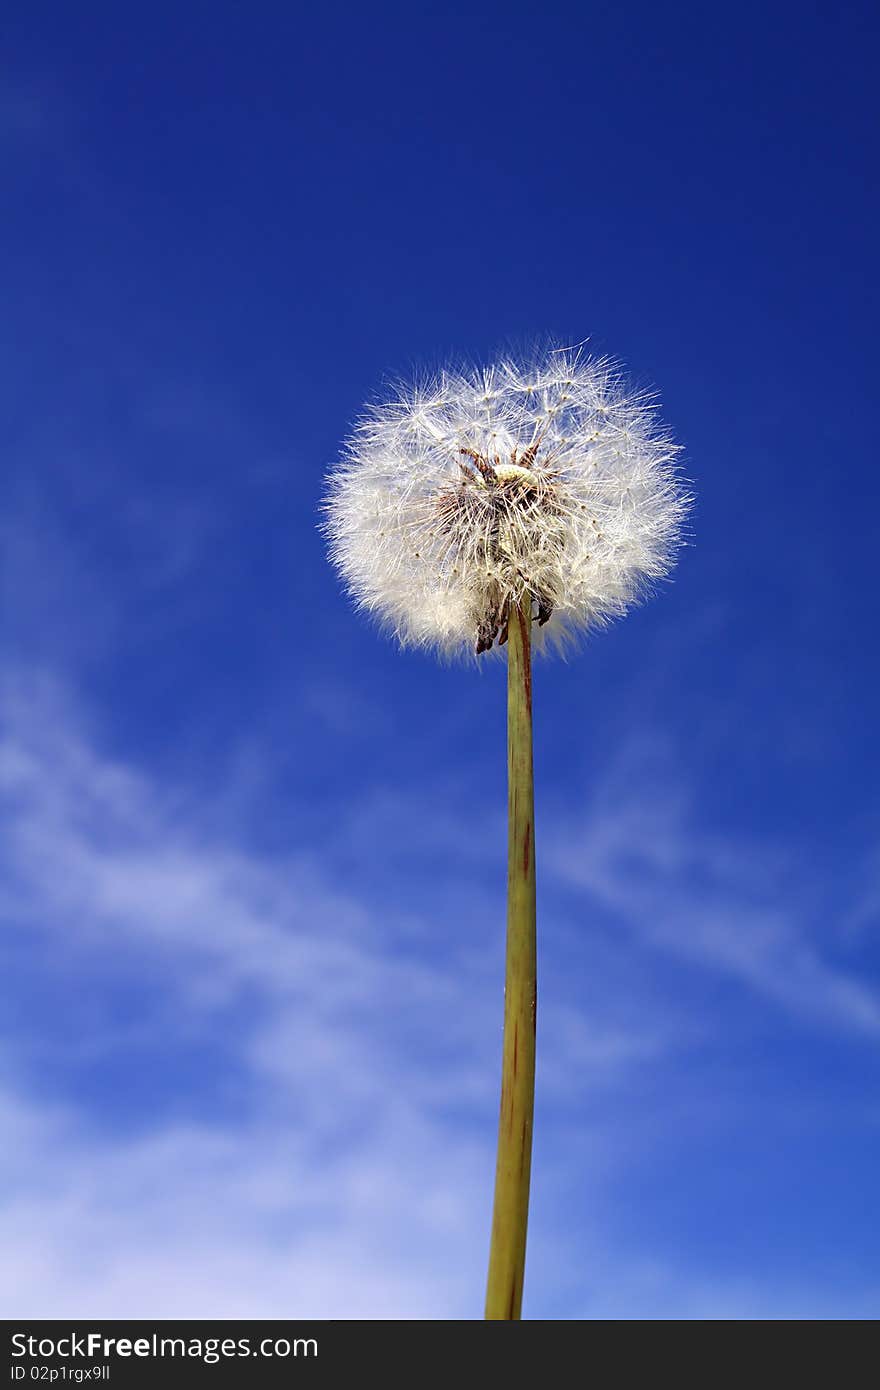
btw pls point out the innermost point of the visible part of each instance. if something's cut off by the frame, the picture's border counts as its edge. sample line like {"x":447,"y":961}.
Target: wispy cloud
{"x":732,"y":906}
{"x":339,"y":1188}
{"x":335,"y":1157}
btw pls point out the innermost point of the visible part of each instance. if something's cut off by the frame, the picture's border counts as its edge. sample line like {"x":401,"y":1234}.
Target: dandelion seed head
{"x":550,"y":479}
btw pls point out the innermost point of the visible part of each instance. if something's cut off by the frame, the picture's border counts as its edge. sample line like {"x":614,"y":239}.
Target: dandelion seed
{"x":503,"y":502}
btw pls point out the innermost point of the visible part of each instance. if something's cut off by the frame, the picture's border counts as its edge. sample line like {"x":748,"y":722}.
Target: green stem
{"x":507,"y":1252}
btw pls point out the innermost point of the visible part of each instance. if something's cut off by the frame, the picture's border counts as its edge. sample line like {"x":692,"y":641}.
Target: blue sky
{"x":252,"y":868}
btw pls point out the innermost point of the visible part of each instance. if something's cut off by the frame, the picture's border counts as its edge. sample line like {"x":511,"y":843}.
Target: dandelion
{"x":518,"y":507}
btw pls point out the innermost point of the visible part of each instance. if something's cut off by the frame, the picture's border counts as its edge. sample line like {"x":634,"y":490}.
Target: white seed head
{"x":461,"y":497}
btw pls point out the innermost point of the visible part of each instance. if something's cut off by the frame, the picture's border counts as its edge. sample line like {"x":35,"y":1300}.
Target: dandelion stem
{"x":507,"y":1252}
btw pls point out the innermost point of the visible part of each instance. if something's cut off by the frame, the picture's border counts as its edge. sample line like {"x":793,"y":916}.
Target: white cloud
{"x":340,"y":1190}
{"x":192,"y":1221}
{"x":730,"y":906}
{"x":354,"y":1179}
